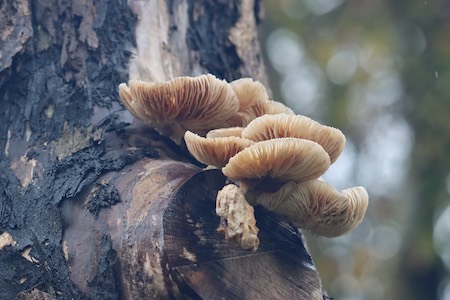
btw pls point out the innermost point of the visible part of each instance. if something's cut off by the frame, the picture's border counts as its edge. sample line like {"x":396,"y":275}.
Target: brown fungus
{"x":184,"y":103}
{"x":249,"y":92}
{"x":214,"y":151}
{"x":260,"y":108}
{"x":287,"y":125}
{"x":284,"y":158}
{"x":318,"y":207}
{"x":253,"y":102}
{"x":224,"y":132}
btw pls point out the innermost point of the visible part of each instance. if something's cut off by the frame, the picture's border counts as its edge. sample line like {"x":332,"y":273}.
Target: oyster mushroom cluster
{"x":198,"y":104}
{"x":271,"y":156}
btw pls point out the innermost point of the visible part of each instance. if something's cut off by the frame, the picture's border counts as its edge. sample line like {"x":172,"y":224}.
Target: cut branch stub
{"x":164,"y":233}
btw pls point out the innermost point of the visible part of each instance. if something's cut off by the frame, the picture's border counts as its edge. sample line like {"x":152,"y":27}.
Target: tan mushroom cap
{"x":249,"y":92}
{"x":318,"y":207}
{"x":287,"y":159}
{"x":214,"y":151}
{"x":260,"y":108}
{"x":272,"y":107}
{"x":286,"y":125}
{"x":224,"y":132}
{"x":197,"y":103}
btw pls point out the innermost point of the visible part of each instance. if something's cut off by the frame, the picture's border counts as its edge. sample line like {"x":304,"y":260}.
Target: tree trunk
{"x":94,"y":204}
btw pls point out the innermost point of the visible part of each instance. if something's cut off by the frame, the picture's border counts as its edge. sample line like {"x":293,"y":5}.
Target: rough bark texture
{"x":91,"y":202}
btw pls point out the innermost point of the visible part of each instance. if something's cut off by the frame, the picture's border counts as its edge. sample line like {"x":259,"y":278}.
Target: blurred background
{"x":380,"y":72}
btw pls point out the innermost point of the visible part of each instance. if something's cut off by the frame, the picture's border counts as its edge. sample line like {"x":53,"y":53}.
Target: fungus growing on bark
{"x":224,"y":132}
{"x":249,"y":92}
{"x":317,"y":206}
{"x":284,"y":159}
{"x":270,"y":155}
{"x":214,"y":151}
{"x":269,"y":163}
{"x":253,"y":102}
{"x":282,"y":125}
{"x":184,"y":103}
{"x":260,"y":108}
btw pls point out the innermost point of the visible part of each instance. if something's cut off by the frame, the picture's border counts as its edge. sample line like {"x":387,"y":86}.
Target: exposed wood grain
{"x":216,"y":268}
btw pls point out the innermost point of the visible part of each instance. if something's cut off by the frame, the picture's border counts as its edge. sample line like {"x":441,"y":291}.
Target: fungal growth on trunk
{"x":270,"y":156}
{"x":184,"y":103}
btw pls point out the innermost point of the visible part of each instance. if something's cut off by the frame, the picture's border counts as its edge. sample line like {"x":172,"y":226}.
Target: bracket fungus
{"x":224,"y":132}
{"x":253,"y":102}
{"x":214,"y":151}
{"x":282,"y":125}
{"x":270,"y":156}
{"x":318,"y":207}
{"x":284,"y":158}
{"x":184,"y":103}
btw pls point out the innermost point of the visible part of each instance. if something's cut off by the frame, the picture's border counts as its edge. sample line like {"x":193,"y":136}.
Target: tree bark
{"x":94,"y":204}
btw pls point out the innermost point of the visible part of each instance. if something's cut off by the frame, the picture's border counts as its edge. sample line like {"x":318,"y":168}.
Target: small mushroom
{"x":281,"y":125}
{"x":224,"y":132}
{"x":260,"y":108}
{"x":249,"y":92}
{"x":214,"y":151}
{"x":270,"y":107}
{"x":184,"y":103}
{"x":284,"y":158}
{"x":253,"y":102}
{"x":318,"y":207}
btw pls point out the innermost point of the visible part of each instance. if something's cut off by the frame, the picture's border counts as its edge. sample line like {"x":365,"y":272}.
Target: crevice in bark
{"x":210,"y":24}
{"x":104,"y":285}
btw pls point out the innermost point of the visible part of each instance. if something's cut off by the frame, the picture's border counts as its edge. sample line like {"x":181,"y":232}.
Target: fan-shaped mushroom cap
{"x":250,"y":110}
{"x":194,"y":103}
{"x":224,"y":132}
{"x":214,"y":151}
{"x":260,"y":108}
{"x":286,"y":125}
{"x":249,"y":92}
{"x":317,"y":206}
{"x":285,"y":159}
{"x":272,"y":107}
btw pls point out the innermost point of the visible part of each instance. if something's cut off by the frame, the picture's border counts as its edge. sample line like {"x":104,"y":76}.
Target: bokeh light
{"x":378,"y":70}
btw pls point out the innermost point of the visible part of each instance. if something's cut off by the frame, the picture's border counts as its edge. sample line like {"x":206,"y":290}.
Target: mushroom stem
{"x":237,"y":218}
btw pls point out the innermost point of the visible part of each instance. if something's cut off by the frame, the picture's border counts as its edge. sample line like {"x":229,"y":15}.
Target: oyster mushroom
{"x":283,"y":158}
{"x":317,"y":206}
{"x":265,"y":165}
{"x":184,"y":103}
{"x":249,"y":92}
{"x":224,"y":132}
{"x":282,"y":125}
{"x":214,"y":151}
{"x":253,"y":102}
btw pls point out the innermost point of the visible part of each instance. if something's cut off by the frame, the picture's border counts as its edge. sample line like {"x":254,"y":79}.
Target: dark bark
{"x":73,"y":164}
